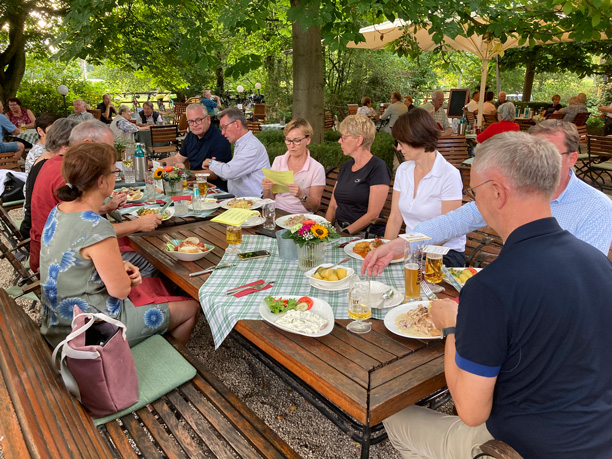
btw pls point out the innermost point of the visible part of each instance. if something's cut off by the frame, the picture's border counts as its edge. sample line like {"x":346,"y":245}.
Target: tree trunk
{"x":528,"y":84}
{"x":219,"y":75}
{"x":13,"y":58}
{"x":308,"y":83}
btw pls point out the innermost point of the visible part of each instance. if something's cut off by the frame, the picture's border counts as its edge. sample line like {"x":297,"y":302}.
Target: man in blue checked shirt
{"x":579,"y":208}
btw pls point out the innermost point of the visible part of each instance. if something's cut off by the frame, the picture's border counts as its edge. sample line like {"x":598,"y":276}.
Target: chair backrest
{"x":96,"y":113}
{"x":259,"y":110}
{"x":328,"y":123}
{"x":352,"y":108}
{"x":454,"y":149}
{"x":331,"y":177}
{"x":194,"y":100}
{"x":482,"y":247}
{"x":600,"y":146}
{"x":163,"y":134}
{"x":341,"y":111}
{"x":581,"y":118}
{"x":179,"y":109}
{"x":489,"y":120}
{"x":583,"y":133}
{"x":555,"y":116}
{"x":8,"y":161}
{"x":524,"y":124}
{"x":182,"y":124}
{"x":470,"y":117}
{"x":254,"y":126}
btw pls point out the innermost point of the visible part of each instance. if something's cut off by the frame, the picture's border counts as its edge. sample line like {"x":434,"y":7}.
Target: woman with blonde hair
{"x":304,"y":194}
{"x":363,"y":182}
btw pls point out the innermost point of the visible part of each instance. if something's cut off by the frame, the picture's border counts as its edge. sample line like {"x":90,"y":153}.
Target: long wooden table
{"x":356,"y":380}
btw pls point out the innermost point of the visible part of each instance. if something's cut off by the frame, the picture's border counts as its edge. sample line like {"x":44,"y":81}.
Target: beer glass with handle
{"x":433,"y":268}
{"x":359,"y":307}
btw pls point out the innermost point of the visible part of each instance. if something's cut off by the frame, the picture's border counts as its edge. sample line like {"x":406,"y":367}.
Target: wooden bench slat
{"x":13,"y":444}
{"x":140,"y":437}
{"x":118,"y":438}
{"x":168,"y":444}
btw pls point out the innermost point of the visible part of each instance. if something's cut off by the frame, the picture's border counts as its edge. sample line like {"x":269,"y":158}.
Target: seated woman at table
{"x":426,"y":185}
{"x":20,"y":116}
{"x":363,"y":182}
{"x":305,"y":193}
{"x":43,"y":124}
{"x":409,"y":102}
{"x":506,"y":115}
{"x":552,"y":108}
{"x":366,"y":108}
{"x":122,"y":127}
{"x":488,"y":108}
{"x":80,"y":262}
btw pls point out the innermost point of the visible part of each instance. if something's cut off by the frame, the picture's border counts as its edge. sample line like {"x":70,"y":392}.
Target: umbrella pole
{"x":498,"y":87}
{"x":483,"y":85}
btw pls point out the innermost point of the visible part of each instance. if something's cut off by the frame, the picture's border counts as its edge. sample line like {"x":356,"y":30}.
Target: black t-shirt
{"x":352,"y":191}
{"x":112,"y":112}
{"x":26,"y":224}
{"x":212,"y":145}
{"x":550,"y":108}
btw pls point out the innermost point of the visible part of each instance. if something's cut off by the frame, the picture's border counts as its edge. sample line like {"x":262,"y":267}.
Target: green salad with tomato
{"x":278,"y":305}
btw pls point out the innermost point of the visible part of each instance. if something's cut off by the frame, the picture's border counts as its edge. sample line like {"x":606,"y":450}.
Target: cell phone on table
{"x":252,"y":255}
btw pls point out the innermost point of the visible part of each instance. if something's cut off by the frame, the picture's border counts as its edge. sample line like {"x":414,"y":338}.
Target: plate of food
{"x":289,"y":221}
{"x":329,"y":279}
{"x":253,"y":221}
{"x":459,"y":276}
{"x":359,"y":249}
{"x":242,"y":203}
{"x":210,"y":204}
{"x":189,"y":249}
{"x":133,"y":194}
{"x":168,"y":213}
{"x":412,"y":320}
{"x":301,"y":315}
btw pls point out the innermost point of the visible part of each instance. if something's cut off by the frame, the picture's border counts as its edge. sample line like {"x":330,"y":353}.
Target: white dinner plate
{"x":282,"y":221}
{"x":210,"y":204}
{"x":252,"y":222}
{"x":257,"y":202}
{"x":376,"y":291}
{"x":329,"y":288}
{"x":320,"y":307}
{"x":168,"y":213}
{"x":401,"y":309}
{"x":461,"y":284}
{"x":349,"y":250}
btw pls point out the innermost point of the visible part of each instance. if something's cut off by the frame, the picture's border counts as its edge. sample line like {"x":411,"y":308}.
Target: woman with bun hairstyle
{"x":80,"y":262}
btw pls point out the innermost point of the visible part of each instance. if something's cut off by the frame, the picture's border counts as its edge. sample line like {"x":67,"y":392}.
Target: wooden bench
{"x":454,"y":149}
{"x":482,"y":247}
{"x":38,"y":418}
{"x":599,"y":166}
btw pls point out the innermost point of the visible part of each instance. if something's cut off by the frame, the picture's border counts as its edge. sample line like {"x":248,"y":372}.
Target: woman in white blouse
{"x":426,"y":185}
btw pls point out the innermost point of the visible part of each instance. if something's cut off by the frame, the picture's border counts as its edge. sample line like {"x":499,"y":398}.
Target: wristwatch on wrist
{"x":304,"y":198}
{"x":448,"y":331}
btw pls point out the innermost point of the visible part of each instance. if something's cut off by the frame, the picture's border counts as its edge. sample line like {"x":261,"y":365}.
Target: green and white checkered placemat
{"x":222,"y":312}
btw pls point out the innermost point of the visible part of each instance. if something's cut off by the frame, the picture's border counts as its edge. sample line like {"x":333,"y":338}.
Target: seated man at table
{"x":204,"y":141}
{"x":472,"y":105}
{"x":501,"y":99}
{"x":579,"y":208}
{"x":107,"y":109}
{"x":393,"y":111}
{"x":50,"y":179}
{"x":147,"y":115}
{"x":575,"y":106}
{"x":244,"y":172}
{"x":210,"y":102}
{"x":80,"y":111}
{"x":9,"y":128}
{"x":435,"y":109}
{"x":526,"y":357}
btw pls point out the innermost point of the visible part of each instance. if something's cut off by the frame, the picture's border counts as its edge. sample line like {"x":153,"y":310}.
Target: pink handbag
{"x":96,"y":364}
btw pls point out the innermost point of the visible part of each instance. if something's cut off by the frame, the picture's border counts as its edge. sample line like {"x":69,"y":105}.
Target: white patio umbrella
{"x":380,"y":35}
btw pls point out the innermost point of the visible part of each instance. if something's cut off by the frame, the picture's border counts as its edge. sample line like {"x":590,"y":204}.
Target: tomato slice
{"x":472,"y":270}
{"x":306,"y":300}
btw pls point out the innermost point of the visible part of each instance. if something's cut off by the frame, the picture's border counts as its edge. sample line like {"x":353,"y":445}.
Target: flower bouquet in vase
{"x":311,"y":238}
{"x":172,"y":177}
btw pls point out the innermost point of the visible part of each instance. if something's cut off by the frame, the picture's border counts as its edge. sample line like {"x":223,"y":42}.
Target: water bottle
{"x":140,"y":163}
{"x":196,"y":200}
{"x":462,"y":125}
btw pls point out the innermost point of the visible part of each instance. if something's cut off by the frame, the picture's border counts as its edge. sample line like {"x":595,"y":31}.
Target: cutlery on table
{"x":210,"y":270}
{"x":233,"y":291}
{"x":344,"y":244}
{"x":427,"y":291}
{"x":165,"y":206}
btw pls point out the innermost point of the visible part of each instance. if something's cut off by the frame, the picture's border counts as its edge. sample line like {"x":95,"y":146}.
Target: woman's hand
{"x":133,"y":272}
{"x":267,"y":184}
{"x":295,"y":190}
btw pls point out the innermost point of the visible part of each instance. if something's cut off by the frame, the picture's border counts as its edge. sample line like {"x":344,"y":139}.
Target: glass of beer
{"x":412,"y":271}
{"x":202,"y":183}
{"x":233,"y":237}
{"x":433,"y":268}
{"x":359,"y":307}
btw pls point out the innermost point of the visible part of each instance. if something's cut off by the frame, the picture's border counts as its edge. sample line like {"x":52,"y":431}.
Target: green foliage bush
{"x":331,"y":136}
{"x":271,"y":136}
{"x":595,"y":124}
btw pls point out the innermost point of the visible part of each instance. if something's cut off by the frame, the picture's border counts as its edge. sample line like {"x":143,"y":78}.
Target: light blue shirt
{"x":244,"y":172}
{"x":6,"y":126}
{"x":580,"y":209}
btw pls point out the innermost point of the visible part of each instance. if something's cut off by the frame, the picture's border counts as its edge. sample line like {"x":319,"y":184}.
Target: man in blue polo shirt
{"x":210,"y":102}
{"x":527,"y":348}
{"x":203,"y":141}
{"x":9,"y":128}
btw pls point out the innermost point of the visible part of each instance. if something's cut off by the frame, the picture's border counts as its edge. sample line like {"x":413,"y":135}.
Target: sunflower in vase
{"x":311,"y":232}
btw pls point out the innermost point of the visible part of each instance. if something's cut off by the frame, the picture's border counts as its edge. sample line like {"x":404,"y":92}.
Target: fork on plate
{"x":427,"y":290}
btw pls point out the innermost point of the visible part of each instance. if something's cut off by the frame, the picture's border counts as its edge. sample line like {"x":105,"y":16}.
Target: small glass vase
{"x":174,"y":188}
{"x":310,"y":255}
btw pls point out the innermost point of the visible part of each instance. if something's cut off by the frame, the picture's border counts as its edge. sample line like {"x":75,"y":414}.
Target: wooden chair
{"x":331,"y":177}
{"x":8,"y":161}
{"x":352,"y":108}
{"x":581,"y":118}
{"x":599,"y":167}
{"x":454,"y":149}
{"x":163,"y":139}
{"x":329,"y":123}
{"x":555,"y":116}
{"x":525,"y":124}
{"x":489,"y":120}
{"x":341,"y":111}
{"x":182,"y":124}
{"x":470,"y":117}
{"x":254,"y":126}
{"x":259,"y":112}
{"x":179,"y":109}
{"x":497,"y":449}
{"x":96,"y":113}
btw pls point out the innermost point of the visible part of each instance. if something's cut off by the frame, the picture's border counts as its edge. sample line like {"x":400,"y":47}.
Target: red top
{"x":497,"y":128}
{"x":43,"y":201}
{"x":23,"y":118}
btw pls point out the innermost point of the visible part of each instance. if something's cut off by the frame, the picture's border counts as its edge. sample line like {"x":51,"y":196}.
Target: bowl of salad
{"x":190,"y":249}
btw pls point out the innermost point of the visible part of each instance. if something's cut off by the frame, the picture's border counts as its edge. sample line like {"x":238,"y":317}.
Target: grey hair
{"x":198,"y":106}
{"x":582,"y":97}
{"x":93,"y":130}
{"x":148,"y":104}
{"x":551,"y":127}
{"x":234,"y":114}
{"x":507,"y":112}
{"x":532,"y":164}
{"x":59,"y":134}
{"x":122,"y":109}
{"x":359,"y":125}
{"x":78,"y":100}
{"x":436,"y":92}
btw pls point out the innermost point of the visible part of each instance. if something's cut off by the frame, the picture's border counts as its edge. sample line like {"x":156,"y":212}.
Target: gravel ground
{"x":300,"y":424}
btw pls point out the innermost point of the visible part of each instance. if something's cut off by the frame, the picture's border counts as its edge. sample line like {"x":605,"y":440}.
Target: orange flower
{"x":308,"y":222}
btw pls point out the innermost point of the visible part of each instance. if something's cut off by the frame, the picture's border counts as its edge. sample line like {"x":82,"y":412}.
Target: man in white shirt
{"x":472,"y":105}
{"x":435,"y":109}
{"x":244,"y":172}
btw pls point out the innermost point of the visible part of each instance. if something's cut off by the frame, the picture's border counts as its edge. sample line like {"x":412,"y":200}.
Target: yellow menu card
{"x":235,"y":217}
{"x":280,"y":178}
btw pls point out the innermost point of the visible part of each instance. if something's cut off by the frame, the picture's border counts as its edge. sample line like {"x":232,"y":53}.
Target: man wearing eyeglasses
{"x":244,"y":172}
{"x":579,"y":208}
{"x":203,"y":141}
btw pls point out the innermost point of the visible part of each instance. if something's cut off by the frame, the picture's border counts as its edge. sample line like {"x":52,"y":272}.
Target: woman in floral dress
{"x":80,"y":262}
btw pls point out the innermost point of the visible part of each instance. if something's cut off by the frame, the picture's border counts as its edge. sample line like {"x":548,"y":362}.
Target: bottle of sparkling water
{"x":196,"y":200}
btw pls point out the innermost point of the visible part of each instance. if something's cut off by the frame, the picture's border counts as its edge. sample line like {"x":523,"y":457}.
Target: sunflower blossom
{"x":319,"y":231}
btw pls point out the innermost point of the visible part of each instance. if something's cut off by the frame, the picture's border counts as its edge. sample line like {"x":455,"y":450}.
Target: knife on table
{"x":233,"y":291}
{"x":210,"y":270}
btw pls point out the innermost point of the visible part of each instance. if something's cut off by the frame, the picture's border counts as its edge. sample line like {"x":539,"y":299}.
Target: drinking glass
{"x":233,"y":237}
{"x":22,"y":127}
{"x":180,"y":207}
{"x":269,"y":214}
{"x":433,"y":268}
{"x":149,"y":191}
{"x":202,"y":183}
{"x":129,"y":174}
{"x":413,"y":263}
{"x":359,"y":307}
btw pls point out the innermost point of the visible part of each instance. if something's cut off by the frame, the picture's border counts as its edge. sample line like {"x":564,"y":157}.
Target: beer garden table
{"x":355,"y":380}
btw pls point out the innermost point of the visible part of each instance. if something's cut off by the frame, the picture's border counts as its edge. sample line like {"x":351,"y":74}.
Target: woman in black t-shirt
{"x":363,"y":183}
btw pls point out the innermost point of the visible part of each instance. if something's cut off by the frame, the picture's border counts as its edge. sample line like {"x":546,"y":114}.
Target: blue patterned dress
{"x":68,"y":279}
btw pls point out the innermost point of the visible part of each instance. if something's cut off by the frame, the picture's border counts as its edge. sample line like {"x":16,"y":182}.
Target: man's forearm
{"x":453,"y":224}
